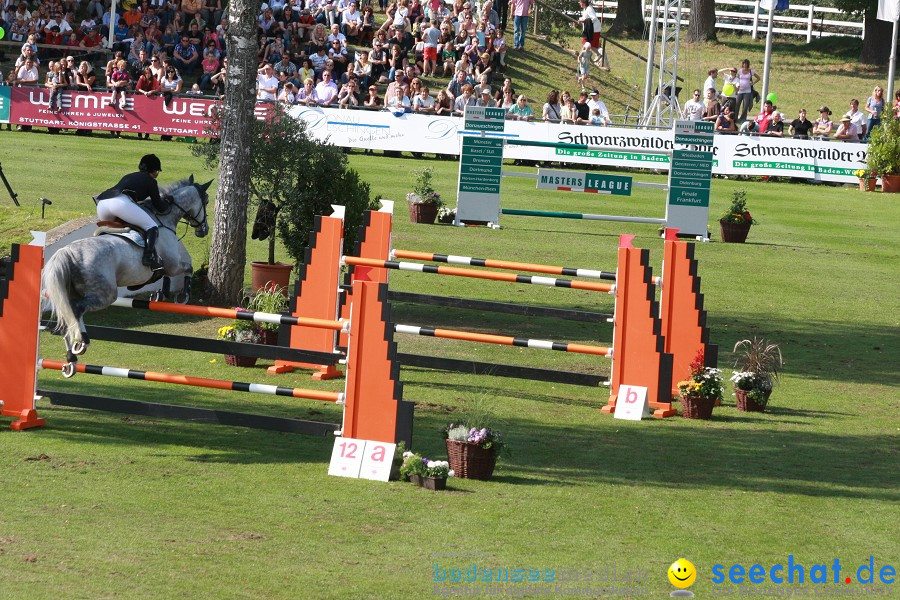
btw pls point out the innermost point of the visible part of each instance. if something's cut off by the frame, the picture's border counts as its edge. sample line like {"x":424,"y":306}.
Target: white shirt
{"x":709,"y":84}
{"x":589,"y":14}
{"x":693,"y":110}
{"x":604,"y":112}
{"x":266,"y":81}
{"x":326,"y":91}
{"x":420,"y":102}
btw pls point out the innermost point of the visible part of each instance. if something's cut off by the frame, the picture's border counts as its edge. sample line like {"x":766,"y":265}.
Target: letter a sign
{"x":631,"y":403}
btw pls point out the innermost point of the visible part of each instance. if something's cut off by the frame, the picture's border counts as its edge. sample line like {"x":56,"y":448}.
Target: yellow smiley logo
{"x":682,"y":573}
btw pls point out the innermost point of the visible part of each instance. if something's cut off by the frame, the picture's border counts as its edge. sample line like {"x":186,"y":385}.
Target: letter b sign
{"x":631,"y":403}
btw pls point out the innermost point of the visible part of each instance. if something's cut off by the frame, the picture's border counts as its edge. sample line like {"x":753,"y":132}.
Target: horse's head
{"x":189,"y":202}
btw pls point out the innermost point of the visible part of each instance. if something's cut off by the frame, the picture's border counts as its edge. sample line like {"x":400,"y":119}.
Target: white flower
{"x":407,"y":454}
{"x":431,"y":464}
{"x":451,"y":473}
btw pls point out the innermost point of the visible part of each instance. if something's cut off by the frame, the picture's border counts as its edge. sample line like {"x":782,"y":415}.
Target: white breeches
{"x":121,"y":207}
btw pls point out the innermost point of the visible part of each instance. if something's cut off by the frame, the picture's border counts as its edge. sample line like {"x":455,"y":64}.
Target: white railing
{"x":745,"y":15}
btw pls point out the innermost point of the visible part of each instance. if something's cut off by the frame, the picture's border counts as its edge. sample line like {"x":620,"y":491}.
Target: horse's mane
{"x":168,"y":189}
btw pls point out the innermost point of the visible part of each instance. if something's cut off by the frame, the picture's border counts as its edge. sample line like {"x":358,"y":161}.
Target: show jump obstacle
{"x":639,"y":354}
{"x":372,"y":396}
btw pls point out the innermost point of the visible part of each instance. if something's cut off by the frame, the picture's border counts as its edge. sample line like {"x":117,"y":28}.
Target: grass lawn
{"x":98,"y":505}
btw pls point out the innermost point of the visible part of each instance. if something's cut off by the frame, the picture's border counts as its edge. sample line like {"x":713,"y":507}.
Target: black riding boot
{"x":151,"y":258}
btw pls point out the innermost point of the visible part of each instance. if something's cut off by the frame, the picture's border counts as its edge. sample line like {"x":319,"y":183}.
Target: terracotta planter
{"x":697,"y":408}
{"x":734,"y":233}
{"x":471,"y":461}
{"x":890,"y":184}
{"x":240,"y":361}
{"x":434,"y":483}
{"x":867,"y":184}
{"x":746,"y":404}
{"x":420,"y":212}
{"x":263,"y":275}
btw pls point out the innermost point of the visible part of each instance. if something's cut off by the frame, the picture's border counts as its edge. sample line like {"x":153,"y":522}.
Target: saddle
{"x":122,"y":229}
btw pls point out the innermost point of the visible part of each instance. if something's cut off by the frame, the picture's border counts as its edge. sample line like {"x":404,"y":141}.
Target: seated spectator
{"x":326,"y":90}
{"x":399,"y":102}
{"x":801,"y":126}
{"x":72,"y":41}
{"x":423,"y":102}
{"x":147,"y":84}
{"x":725,"y":122}
{"x":463,"y":100}
{"x":351,"y":21}
{"x":337,"y":35}
{"x":286,"y":71}
{"x":348,"y":97}
{"x":521,"y":111}
{"x":824,"y":125}
{"x":373,"y":101}
{"x":362,"y":68}
{"x":288,"y":94}
{"x":508,"y":100}
{"x":307,"y":94}
{"x":776,"y":126}
{"x":185,"y":56}
{"x":897,"y":104}
{"x":448,"y":58}
{"x":120,"y":80}
{"x":485,"y":99}
{"x":266,"y":84}
{"x":338,"y":55}
{"x":318,"y":60}
{"x":92,"y":39}
{"x":443,"y":104}
{"x":218,"y":80}
{"x":210,"y":66}
{"x":456,"y":84}
{"x":848,"y":130}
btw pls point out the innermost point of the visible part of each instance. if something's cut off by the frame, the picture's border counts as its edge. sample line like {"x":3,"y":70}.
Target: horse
{"x":86,"y":274}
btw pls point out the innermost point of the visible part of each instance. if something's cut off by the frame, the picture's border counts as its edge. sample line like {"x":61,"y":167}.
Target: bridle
{"x":191,"y":220}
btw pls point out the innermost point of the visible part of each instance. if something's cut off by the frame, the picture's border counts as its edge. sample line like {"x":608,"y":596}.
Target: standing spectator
{"x":56,"y":83}
{"x":874,"y":106}
{"x":185,"y":56}
{"x":746,"y":79}
{"x":326,"y":90}
{"x":552,"y":111}
{"x":897,"y":104}
{"x":86,"y":77}
{"x":266,"y":84}
{"x":725,"y":122}
{"x":848,"y":130}
{"x":729,"y":76}
{"x":171,"y":84}
{"x":710,"y":83}
{"x":763,"y":119}
{"x":431,"y":38}
{"x":584,"y":64}
{"x":694,"y":109}
{"x":147,"y":84}
{"x":584,"y":109}
{"x":590,"y":26}
{"x":596,"y":103}
{"x":801,"y":126}
{"x":502,"y":8}
{"x":711,"y":105}
{"x":824,"y":124}
{"x":569,"y":113}
{"x":521,"y":9}
{"x":858,"y":117}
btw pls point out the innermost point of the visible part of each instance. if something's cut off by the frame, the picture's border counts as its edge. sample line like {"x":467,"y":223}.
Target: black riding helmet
{"x":150,"y":163}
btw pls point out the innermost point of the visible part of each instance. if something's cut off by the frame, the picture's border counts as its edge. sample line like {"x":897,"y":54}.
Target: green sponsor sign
{"x":484,"y":118}
{"x":479,"y":188}
{"x":617,"y":185}
{"x":491,"y":162}
{"x":693,"y":172}
{"x":697,"y":184}
{"x":553,"y":179}
{"x":4,"y":103}
{"x":608,"y":155}
{"x":692,"y":139}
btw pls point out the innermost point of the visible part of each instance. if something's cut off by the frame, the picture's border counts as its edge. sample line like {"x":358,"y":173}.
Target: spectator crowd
{"x":333,"y":53}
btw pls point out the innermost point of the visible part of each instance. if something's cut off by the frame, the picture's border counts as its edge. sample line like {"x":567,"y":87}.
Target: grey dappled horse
{"x":85,"y":275}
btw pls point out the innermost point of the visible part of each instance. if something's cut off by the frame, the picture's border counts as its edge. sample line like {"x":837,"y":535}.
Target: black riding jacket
{"x":137,"y":186}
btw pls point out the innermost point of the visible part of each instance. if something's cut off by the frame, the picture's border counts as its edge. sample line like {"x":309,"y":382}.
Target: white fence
{"x":805,"y":20}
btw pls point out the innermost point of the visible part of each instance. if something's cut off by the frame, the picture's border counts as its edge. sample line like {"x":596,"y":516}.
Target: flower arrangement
{"x":423,"y":190}
{"x":863,"y":174}
{"x":758,"y":367}
{"x":705,"y":382}
{"x":415,"y":464}
{"x":737,"y":213}
{"x":446,"y":214}
{"x":485,"y":437}
{"x":240,"y":331}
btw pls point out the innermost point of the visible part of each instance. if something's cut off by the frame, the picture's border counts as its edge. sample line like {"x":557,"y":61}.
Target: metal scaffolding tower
{"x":664,"y":109}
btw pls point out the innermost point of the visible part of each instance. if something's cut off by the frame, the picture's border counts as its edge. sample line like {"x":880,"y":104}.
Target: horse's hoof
{"x":68,"y":370}
{"x":78,"y":348}
{"x":156,"y":297}
{"x":182,"y":298}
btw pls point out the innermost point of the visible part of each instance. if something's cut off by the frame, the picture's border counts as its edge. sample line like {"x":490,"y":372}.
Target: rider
{"x":118,"y":202}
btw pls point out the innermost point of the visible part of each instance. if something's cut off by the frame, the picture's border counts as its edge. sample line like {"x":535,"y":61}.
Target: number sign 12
{"x":363,"y":459}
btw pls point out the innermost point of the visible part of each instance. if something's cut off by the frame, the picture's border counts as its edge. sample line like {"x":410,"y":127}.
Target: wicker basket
{"x":747,"y":404}
{"x":471,"y":461}
{"x":693,"y":407}
{"x":240,"y":361}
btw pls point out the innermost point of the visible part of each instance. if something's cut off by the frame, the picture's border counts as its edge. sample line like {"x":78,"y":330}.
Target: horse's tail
{"x":55,"y":281}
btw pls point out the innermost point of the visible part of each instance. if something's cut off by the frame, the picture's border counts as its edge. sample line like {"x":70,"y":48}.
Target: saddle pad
{"x":132,"y":236}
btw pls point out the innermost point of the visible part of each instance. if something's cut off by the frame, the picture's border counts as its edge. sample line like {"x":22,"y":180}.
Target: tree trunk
{"x":876,"y":49}
{"x":629,"y":20}
{"x":702,"y":26}
{"x":228,"y":255}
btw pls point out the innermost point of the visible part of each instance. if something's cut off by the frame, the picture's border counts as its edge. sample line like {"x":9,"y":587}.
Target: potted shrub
{"x":240,"y":331}
{"x":867,"y":180}
{"x":702,"y":391}
{"x":758,"y":366}
{"x":424,"y":202}
{"x":883,"y":153}
{"x":424,"y":472}
{"x":270,"y":299}
{"x":474,"y":443}
{"x":446,"y":215}
{"x":735,"y":222}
